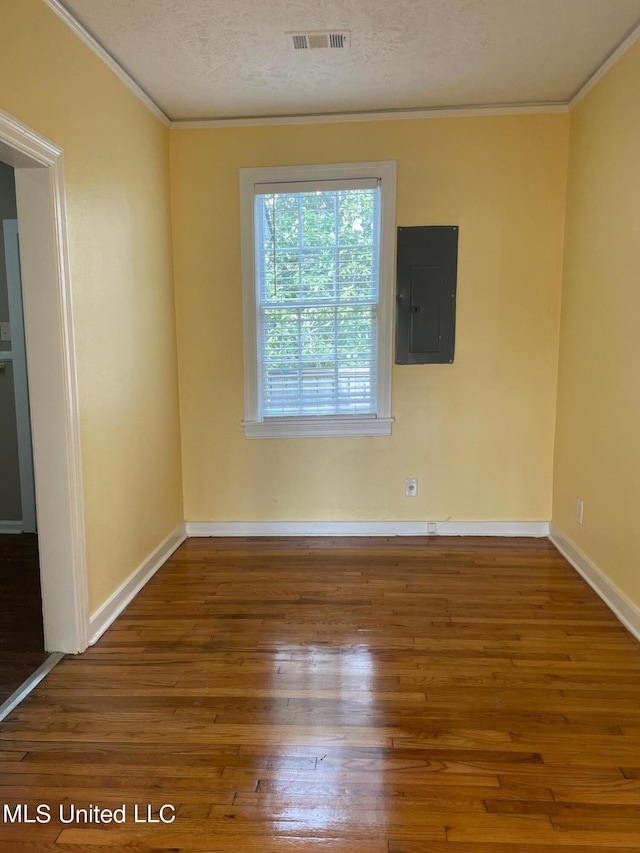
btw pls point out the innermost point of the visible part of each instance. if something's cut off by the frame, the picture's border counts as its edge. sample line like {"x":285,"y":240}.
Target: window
{"x":318,"y":268}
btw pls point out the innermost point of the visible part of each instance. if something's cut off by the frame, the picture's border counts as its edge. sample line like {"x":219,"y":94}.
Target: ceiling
{"x":208,"y":59}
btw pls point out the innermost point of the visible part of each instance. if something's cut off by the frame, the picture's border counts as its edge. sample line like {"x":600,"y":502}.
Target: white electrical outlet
{"x":5,"y":332}
{"x":411,"y":487}
{"x":432,"y":527}
{"x":579,"y":511}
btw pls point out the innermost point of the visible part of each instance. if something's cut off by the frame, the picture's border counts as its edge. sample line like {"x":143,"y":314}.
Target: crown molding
{"x":93,"y":44}
{"x":332,"y":118}
{"x":609,"y":62}
{"x":376,"y":115}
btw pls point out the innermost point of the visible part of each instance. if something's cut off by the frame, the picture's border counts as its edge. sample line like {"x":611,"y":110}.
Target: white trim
{"x":55,"y":419}
{"x":10,"y":527}
{"x":366,"y":528}
{"x":543,"y":107}
{"x":247,"y":247}
{"x":306,"y":528}
{"x":381,"y":115}
{"x":22,"y":147}
{"x":386,"y":337}
{"x":20,"y":381}
{"x":626,"y":611}
{"x":93,"y":44}
{"x":609,"y":62}
{"x":312,"y":186}
{"x":254,"y":425}
{"x":27,"y":686}
{"x":75,"y":485}
{"x":316,"y":427}
{"x":492,"y":528}
{"x":127,"y":591}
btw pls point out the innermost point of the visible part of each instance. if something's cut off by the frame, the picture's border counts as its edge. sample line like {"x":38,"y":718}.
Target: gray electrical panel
{"x":426,"y":294}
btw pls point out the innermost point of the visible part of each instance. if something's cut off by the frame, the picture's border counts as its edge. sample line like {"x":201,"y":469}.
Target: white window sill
{"x":316,"y":427}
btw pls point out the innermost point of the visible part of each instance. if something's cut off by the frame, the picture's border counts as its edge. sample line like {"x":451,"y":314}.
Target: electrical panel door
{"x":426,"y":294}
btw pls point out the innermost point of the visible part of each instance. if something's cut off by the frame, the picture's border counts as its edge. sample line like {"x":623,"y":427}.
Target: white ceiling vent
{"x":321,"y":38}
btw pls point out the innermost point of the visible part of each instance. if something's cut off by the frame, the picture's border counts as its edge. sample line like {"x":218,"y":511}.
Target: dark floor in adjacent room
{"x":21,"y":633}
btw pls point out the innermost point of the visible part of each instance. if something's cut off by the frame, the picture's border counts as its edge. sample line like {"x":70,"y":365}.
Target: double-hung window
{"x":318,"y":267}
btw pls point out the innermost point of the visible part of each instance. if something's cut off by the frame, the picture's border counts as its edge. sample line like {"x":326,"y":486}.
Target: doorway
{"x":53,"y":396}
{"x":21,"y":625}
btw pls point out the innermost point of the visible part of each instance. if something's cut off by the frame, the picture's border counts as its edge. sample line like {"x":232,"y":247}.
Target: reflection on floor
{"x":21,"y":637}
{"x":406,"y":695}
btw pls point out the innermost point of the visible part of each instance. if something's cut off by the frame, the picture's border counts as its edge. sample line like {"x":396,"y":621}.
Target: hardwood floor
{"x":350,"y":696}
{"x":21,"y":635}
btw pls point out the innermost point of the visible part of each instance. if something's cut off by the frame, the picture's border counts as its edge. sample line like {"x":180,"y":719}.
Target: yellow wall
{"x":597,"y":457}
{"x":478,"y":434}
{"x":116,"y":165}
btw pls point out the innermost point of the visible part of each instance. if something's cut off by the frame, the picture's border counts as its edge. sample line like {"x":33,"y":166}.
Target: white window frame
{"x":321,"y":425}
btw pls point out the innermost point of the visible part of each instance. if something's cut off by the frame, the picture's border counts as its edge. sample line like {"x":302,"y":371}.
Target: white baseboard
{"x":115,"y":604}
{"x":367,"y":528}
{"x":492,"y":528}
{"x":10,"y":527}
{"x":613,"y":597}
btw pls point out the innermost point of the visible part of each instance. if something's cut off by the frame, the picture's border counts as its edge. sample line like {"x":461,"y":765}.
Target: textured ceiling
{"x":231,"y":58}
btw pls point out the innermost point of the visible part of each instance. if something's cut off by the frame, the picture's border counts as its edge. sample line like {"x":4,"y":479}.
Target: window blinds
{"x":317,"y":276}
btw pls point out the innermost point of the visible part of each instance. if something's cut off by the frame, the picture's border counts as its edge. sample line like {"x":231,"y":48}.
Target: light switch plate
{"x":5,"y":331}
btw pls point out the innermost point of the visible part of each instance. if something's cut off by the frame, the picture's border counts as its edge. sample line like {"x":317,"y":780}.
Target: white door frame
{"x":20,"y":382}
{"x":53,"y":394}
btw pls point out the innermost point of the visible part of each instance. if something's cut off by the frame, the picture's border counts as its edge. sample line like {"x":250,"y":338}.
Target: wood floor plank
{"x":403,"y":846}
{"x":428,"y":695}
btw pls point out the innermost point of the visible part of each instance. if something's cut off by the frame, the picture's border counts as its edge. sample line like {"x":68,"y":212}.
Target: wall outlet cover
{"x":411,"y":487}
